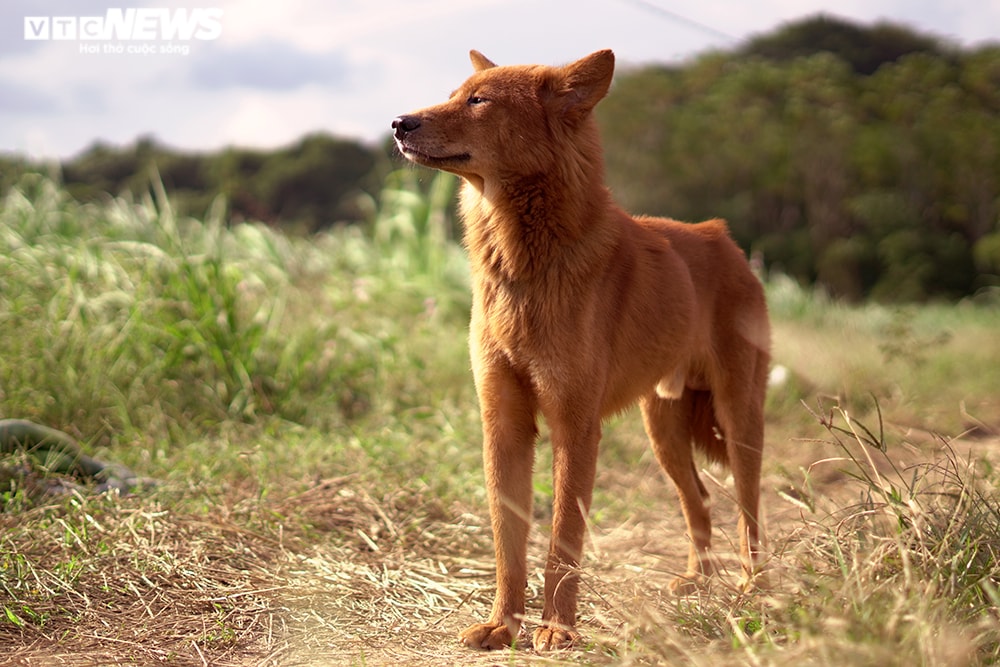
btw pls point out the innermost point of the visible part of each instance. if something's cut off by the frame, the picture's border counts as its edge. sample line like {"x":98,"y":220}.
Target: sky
{"x":202,"y":75}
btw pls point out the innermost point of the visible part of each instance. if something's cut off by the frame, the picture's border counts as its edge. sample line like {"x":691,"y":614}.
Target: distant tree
{"x":309,"y":181}
{"x":310,"y":184}
{"x":12,"y":168}
{"x":873,"y":171}
{"x":987,"y":257}
{"x":864,"y":48}
{"x":100,"y":169}
{"x":232,"y":171}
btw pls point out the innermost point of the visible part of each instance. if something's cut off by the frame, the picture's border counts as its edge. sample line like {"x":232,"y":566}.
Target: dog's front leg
{"x":509,"y":433}
{"x":574,"y":464}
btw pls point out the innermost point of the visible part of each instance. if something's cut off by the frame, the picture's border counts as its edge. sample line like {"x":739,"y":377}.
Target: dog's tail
{"x":705,"y":429}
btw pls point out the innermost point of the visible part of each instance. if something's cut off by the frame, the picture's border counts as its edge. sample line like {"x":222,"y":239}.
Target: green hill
{"x":864,"y":159}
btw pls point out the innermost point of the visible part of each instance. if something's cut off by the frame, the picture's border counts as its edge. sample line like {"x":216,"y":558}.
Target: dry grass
{"x":108,"y":580}
{"x":863,"y":551}
{"x":324,"y":576}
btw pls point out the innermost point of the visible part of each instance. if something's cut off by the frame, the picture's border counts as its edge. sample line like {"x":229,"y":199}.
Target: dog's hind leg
{"x":739,"y":409}
{"x":671,"y":427}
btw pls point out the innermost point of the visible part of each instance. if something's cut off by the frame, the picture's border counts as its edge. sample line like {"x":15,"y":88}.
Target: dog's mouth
{"x":417,"y":155}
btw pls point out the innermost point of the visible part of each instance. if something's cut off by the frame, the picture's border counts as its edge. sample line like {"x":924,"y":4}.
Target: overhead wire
{"x":671,"y":15}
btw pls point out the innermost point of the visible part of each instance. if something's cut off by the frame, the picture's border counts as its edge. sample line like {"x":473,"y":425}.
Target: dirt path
{"x":395,"y":608}
{"x":390,"y":580}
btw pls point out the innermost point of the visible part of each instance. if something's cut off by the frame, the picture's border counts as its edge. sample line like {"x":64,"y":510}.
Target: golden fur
{"x":580,"y":310}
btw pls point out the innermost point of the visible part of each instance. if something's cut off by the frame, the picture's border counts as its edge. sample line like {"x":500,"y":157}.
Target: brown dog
{"x":579,"y":311}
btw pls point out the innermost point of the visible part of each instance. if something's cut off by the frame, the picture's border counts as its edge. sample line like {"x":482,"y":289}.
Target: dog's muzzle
{"x":403,"y":125}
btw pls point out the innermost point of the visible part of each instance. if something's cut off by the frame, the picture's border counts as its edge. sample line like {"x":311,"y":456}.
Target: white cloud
{"x":280,"y":70}
{"x":267,"y":65}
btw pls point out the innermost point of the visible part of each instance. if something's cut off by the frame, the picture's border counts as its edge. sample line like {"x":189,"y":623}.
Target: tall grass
{"x":413,"y":234}
{"x":914,"y":562}
{"x":157,"y":336}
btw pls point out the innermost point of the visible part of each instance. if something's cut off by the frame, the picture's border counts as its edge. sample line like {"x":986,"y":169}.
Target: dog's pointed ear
{"x":586,"y":81}
{"x":479,"y":61}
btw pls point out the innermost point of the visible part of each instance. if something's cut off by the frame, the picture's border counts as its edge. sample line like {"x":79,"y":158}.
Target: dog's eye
{"x":475,"y":99}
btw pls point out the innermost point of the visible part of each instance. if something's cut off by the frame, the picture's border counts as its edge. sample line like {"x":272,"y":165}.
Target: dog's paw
{"x":689,"y":584}
{"x":489,"y":636}
{"x":757,"y":581}
{"x":550,"y":638}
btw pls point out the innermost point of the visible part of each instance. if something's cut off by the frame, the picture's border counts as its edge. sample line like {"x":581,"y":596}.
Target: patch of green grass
{"x":143,"y":333}
{"x":933,"y":366}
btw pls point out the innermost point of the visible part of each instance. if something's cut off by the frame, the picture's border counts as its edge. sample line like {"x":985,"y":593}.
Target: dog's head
{"x":507,"y":121}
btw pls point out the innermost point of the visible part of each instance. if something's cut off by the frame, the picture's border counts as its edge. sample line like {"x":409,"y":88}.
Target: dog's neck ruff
{"x":521,"y":229}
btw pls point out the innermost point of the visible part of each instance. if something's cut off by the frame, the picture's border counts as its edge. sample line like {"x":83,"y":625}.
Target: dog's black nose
{"x":403,"y":125}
